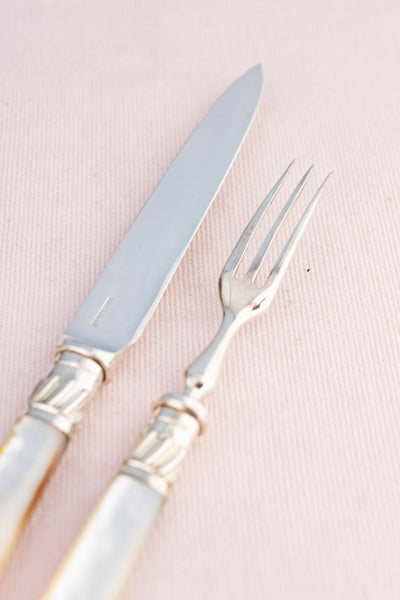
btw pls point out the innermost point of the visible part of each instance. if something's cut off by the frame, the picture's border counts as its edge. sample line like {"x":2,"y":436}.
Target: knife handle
{"x":106,"y":550}
{"x":26,"y":459}
{"x":38,"y":439}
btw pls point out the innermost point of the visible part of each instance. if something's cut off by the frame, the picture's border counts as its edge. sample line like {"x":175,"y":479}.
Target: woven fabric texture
{"x":293,"y":493}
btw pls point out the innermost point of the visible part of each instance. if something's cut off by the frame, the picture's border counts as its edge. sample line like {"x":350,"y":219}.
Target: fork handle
{"x":102,"y":556}
{"x":107,"y":548}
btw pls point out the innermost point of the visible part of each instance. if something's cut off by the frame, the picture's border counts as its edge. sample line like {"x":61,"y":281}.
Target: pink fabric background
{"x":294,"y":491}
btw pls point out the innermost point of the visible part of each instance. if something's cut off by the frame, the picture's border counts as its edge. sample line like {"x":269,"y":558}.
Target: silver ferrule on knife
{"x":78,"y":371}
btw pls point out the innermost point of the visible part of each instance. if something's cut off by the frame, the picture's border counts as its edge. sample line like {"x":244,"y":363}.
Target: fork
{"x":105,"y":552}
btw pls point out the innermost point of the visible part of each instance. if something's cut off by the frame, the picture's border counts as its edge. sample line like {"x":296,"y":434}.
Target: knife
{"x":121,"y":302}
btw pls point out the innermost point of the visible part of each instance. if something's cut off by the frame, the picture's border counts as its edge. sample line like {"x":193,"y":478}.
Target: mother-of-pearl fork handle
{"x":105,"y":552}
{"x":102,"y":557}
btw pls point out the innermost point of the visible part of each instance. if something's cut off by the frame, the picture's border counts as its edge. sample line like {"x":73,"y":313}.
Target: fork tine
{"x":283,"y":260}
{"x":234,"y":259}
{"x":259,"y":257}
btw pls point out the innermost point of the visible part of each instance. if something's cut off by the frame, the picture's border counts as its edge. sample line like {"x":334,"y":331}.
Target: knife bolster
{"x":62,"y":395}
{"x":107,"y":359}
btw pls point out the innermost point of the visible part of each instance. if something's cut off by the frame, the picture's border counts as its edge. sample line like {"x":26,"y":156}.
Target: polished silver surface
{"x":128,"y":290}
{"x":176,"y":421}
{"x":241,"y":298}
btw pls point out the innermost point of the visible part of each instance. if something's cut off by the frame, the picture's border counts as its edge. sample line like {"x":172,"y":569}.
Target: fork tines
{"x":282,"y":262}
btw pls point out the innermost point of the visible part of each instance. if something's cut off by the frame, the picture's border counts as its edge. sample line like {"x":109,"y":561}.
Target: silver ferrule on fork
{"x":159,"y":452}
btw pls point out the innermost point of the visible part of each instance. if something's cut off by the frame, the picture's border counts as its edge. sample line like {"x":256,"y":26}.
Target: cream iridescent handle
{"x":104,"y":553}
{"x":26,"y":459}
{"x":102,"y":557}
{"x":38,"y":438}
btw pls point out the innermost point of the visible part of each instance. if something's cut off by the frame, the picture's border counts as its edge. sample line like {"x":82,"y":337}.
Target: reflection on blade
{"x":128,"y":290}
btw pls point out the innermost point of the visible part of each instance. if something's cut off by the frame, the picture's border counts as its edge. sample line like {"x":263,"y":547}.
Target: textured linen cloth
{"x":294,"y":490}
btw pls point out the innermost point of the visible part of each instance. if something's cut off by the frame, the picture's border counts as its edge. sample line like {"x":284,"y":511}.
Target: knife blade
{"x":121,"y":302}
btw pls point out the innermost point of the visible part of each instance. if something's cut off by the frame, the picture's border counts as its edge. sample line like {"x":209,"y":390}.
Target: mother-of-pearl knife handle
{"x":26,"y":459}
{"x":38,"y":438}
{"x":105,"y":552}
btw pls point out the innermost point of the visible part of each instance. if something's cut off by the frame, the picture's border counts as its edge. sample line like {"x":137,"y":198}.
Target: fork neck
{"x":201,"y":375}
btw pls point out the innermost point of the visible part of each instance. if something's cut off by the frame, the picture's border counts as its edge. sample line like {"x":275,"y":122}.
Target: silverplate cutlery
{"x":121,"y":302}
{"x":105,"y":552}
